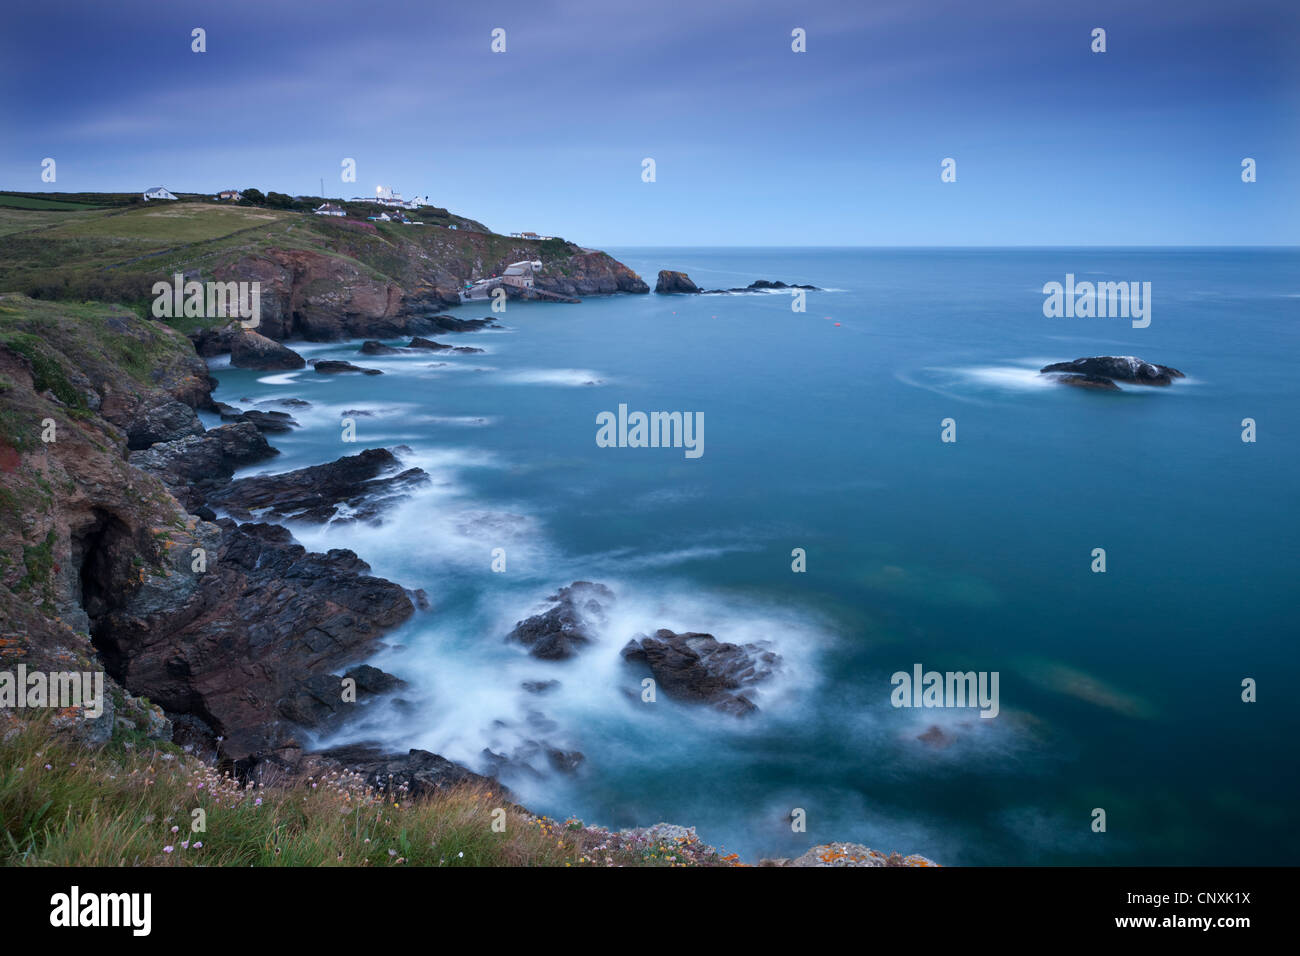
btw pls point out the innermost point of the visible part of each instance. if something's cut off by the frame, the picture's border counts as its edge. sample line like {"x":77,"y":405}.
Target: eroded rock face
{"x":162,"y":422}
{"x":561,"y":631}
{"x":671,"y":283}
{"x":1123,"y":368}
{"x":198,"y":465}
{"x":592,"y":273}
{"x":699,"y":668}
{"x":249,"y":349}
{"x":249,"y":634}
{"x":366,"y":483}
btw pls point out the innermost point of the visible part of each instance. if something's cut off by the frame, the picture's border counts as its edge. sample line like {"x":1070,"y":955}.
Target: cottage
{"x":230,"y":195}
{"x":329,"y":209}
{"x":157,"y":192}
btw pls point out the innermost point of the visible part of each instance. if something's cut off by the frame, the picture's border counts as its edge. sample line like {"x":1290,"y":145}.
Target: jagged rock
{"x":671,"y":283}
{"x":366,"y":483}
{"x":195,"y":466}
{"x":333,"y":367}
{"x":699,"y":668}
{"x":372,"y":680}
{"x":266,"y":622}
{"x":559,"y":632}
{"x":1124,"y":368}
{"x":249,"y":349}
{"x":159,"y":423}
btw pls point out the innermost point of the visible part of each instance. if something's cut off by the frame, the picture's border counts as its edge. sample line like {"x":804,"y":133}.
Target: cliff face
{"x":234,"y":629}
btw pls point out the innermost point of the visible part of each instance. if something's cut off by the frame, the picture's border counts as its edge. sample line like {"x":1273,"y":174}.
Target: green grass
{"x":27,"y":202}
{"x":131,"y":803}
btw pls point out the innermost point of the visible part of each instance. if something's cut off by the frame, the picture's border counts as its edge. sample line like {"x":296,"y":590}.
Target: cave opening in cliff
{"x":103,"y":551}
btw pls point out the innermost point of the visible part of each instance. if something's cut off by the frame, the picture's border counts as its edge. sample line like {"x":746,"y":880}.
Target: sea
{"x":885,"y":482}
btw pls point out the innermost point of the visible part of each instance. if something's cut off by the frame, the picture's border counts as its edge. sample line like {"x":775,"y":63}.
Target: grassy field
{"x":133,"y":803}
{"x":170,"y":223}
{"x":28,"y":202}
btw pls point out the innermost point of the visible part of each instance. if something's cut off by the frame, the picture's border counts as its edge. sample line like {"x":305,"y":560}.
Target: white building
{"x":157,"y":192}
{"x":329,"y":209}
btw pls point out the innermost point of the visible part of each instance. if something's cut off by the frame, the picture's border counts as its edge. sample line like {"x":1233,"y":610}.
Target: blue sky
{"x":753,"y":144}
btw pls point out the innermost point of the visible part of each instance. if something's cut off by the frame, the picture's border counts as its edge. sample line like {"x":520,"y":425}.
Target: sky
{"x":753,"y":143}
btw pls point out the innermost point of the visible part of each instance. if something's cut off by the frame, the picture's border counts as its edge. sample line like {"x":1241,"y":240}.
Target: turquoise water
{"x":822,"y":431}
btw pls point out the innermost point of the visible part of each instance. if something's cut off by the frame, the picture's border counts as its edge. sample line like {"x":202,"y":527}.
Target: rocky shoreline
{"x":223,"y":634}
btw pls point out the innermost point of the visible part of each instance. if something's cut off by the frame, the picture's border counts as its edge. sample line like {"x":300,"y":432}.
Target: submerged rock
{"x":334,"y":367}
{"x":1088,"y":372}
{"x":560,"y":632}
{"x":371,"y":347}
{"x":699,"y":668}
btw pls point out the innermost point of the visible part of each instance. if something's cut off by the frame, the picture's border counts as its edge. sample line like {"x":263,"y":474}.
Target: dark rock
{"x":558,"y":633}
{"x":255,"y":635}
{"x":565,"y":761}
{"x":419,"y":343}
{"x":697,"y":667}
{"x":759,"y":285}
{"x":333,"y":367}
{"x":196,"y":466}
{"x":367,"y":483}
{"x":249,"y":349}
{"x":164,"y":422}
{"x":371,"y":680}
{"x":269,"y":421}
{"x":671,"y":283}
{"x":1124,"y":368}
{"x":1090,"y":381}
{"x":371,"y":347}
{"x":447,"y":323}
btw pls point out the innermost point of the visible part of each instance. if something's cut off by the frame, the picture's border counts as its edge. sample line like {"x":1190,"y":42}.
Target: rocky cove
{"x":144,"y":553}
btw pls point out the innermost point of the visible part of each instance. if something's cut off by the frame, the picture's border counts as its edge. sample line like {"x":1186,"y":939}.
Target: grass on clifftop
{"x":131,"y":803}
